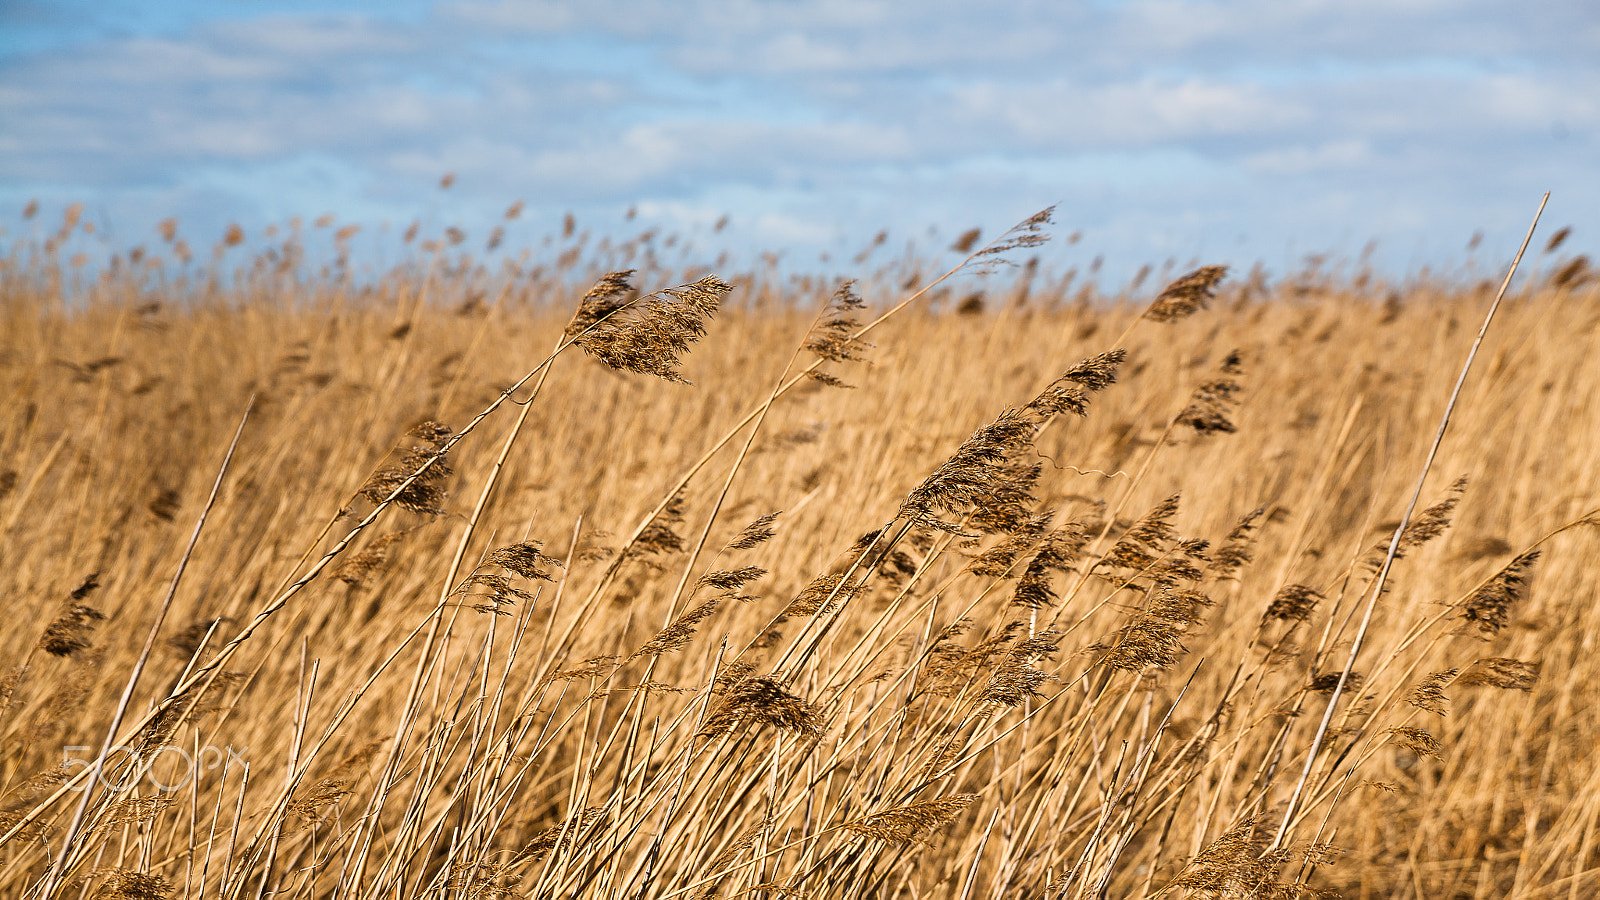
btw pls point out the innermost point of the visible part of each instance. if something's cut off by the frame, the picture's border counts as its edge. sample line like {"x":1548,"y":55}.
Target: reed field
{"x":482,"y":581}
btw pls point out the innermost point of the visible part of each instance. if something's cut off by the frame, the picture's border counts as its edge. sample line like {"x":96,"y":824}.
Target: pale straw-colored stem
{"x":1376,"y":589}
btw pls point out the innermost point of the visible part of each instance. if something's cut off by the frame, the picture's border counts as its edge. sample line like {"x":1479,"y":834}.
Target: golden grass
{"x":990,"y":647}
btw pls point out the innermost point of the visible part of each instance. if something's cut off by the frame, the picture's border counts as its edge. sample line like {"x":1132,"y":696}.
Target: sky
{"x":1216,"y":130}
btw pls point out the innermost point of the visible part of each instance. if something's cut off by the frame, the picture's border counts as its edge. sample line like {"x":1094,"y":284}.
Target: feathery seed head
{"x":648,"y":334}
{"x":611,"y":293}
{"x":1558,"y":238}
{"x":416,"y":481}
{"x":913,"y":822}
{"x":1238,"y":865}
{"x":731,"y":579}
{"x":1294,"y":603}
{"x":1236,"y":550}
{"x":562,"y":834}
{"x":677,"y":635}
{"x":1006,"y":506}
{"x":1171,"y":569}
{"x":1186,"y":295}
{"x":824,"y":594}
{"x":1328,"y":682}
{"x":756,"y":533}
{"x":763,"y":701}
{"x":1501,"y":672}
{"x":834,"y":338}
{"x":1125,"y":554}
{"x":185,"y":643}
{"x":526,"y":560}
{"x":1212,"y":403}
{"x":310,"y":803}
{"x":130,"y":811}
{"x":1155,"y":527}
{"x":661,"y":536}
{"x":1027,"y":233}
{"x":359,"y":568}
{"x":1147,"y":641}
{"x":124,"y":884}
{"x":1416,"y":740}
{"x":1016,"y":679}
{"x":998,"y":561}
{"x":1428,"y":694}
{"x":1435,"y":519}
{"x":1180,"y":606}
{"x":1070,"y":392}
{"x":971,"y":473}
{"x":1489,"y":607}
{"x":69,"y":632}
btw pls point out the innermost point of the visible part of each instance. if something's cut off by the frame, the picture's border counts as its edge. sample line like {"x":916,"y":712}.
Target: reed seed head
{"x":525,"y":559}
{"x":310,"y":803}
{"x":971,"y":473}
{"x":1030,"y":232}
{"x":612,"y":293}
{"x":913,"y":822}
{"x":756,"y":533}
{"x":1000,"y":560}
{"x":416,"y":481}
{"x":679,"y":634}
{"x":1416,"y":740}
{"x":1428,"y":694}
{"x":731,"y":579}
{"x":1070,"y":392}
{"x":1237,"y":548}
{"x":69,"y":632}
{"x":762,"y":700}
{"x":1238,"y":865}
{"x":1007,"y":505}
{"x":1328,"y":682}
{"x":562,"y":834}
{"x":1180,"y":606}
{"x":834,"y":337}
{"x":647,"y":334}
{"x":1211,"y":405}
{"x":1147,"y":641}
{"x":661,"y":535}
{"x":360,"y":568}
{"x":125,"y":884}
{"x":1501,"y":672}
{"x":1294,"y":603}
{"x":824,"y":594}
{"x":1016,"y":680}
{"x":1489,"y":607}
{"x":1186,"y":295}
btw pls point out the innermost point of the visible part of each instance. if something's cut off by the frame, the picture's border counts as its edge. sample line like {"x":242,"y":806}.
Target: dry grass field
{"x":441,"y":584}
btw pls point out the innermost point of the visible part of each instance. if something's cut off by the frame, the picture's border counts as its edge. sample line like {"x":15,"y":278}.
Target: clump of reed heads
{"x":913,"y":822}
{"x":69,"y":632}
{"x":646,"y":334}
{"x":417,"y":477}
{"x":1187,"y":295}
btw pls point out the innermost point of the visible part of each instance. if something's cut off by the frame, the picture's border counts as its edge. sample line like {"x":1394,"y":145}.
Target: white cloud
{"x":1135,"y":113}
{"x":238,"y":93}
{"x":1343,"y":154}
{"x":816,"y":118}
{"x":817,"y":36}
{"x":1526,"y":100}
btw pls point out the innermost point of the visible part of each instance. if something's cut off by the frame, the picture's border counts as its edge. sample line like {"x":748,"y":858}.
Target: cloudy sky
{"x":1228,"y":130}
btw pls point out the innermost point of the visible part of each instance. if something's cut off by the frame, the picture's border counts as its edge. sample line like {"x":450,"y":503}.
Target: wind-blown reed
{"x":1057,"y":593}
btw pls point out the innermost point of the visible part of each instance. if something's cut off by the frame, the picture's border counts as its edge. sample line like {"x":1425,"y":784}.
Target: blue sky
{"x":1224,"y":131}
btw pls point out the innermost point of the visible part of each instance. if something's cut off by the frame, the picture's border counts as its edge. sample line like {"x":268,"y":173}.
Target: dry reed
{"x":956,"y":665}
